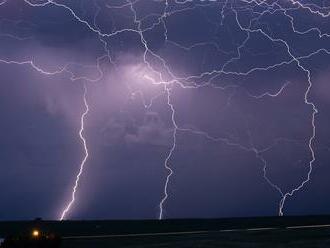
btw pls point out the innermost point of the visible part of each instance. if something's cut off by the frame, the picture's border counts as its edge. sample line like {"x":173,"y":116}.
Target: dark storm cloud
{"x":129,"y":127}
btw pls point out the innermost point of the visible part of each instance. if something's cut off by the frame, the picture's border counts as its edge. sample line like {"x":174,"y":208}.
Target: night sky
{"x":222,"y":105}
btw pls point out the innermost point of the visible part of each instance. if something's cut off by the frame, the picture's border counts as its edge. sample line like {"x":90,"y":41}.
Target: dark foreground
{"x":289,"y":232}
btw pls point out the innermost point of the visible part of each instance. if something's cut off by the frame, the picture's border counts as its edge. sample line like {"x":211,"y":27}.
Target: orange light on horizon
{"x":35,"y":233}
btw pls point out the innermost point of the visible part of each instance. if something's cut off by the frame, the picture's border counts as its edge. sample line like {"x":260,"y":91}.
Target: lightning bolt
{"x":166,"y":163}
{"x":83,"y":162}
{"x":307,"y":102}
{"x":310,"y":144}
{"x":265,"y":7}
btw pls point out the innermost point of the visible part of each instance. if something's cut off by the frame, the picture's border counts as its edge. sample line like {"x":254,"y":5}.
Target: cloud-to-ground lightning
{"x":310,"y":143}
{"x":169,"y":156}
{"x":257,"y":9}
{"x":83,"y":162}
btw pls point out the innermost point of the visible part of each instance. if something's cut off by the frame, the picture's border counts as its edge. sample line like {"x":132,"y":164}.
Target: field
{"x":312,"y":231}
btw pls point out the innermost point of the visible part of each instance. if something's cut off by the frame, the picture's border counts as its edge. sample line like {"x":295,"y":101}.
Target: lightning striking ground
{"x":166,"y":163}
{"x":258,"y":9}
{"x":83,"y":162}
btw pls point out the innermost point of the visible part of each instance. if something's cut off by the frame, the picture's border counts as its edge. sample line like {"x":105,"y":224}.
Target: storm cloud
{"x":230,"y":79}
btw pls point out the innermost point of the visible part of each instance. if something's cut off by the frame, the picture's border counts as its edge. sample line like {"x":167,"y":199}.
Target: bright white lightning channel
{"x":83,"y":162}
{"x":166,"y":163}
{"x":270,"y":7}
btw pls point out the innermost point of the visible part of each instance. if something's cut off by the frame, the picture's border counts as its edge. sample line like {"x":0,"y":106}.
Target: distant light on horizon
{"x":35,"y":233}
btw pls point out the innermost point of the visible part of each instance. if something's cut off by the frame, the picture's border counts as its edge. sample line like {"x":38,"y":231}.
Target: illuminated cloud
{"x":225,"y":98}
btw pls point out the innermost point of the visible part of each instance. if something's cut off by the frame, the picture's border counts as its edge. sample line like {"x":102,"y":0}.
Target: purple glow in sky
{"x":145,"y":109}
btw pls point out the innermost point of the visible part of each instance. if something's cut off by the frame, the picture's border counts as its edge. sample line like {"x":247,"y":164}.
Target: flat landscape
{"x":311,"y":231}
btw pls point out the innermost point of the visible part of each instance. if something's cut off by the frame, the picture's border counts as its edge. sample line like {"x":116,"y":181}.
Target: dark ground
{"x":265,"y":239}
{"x":211,"y":236}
